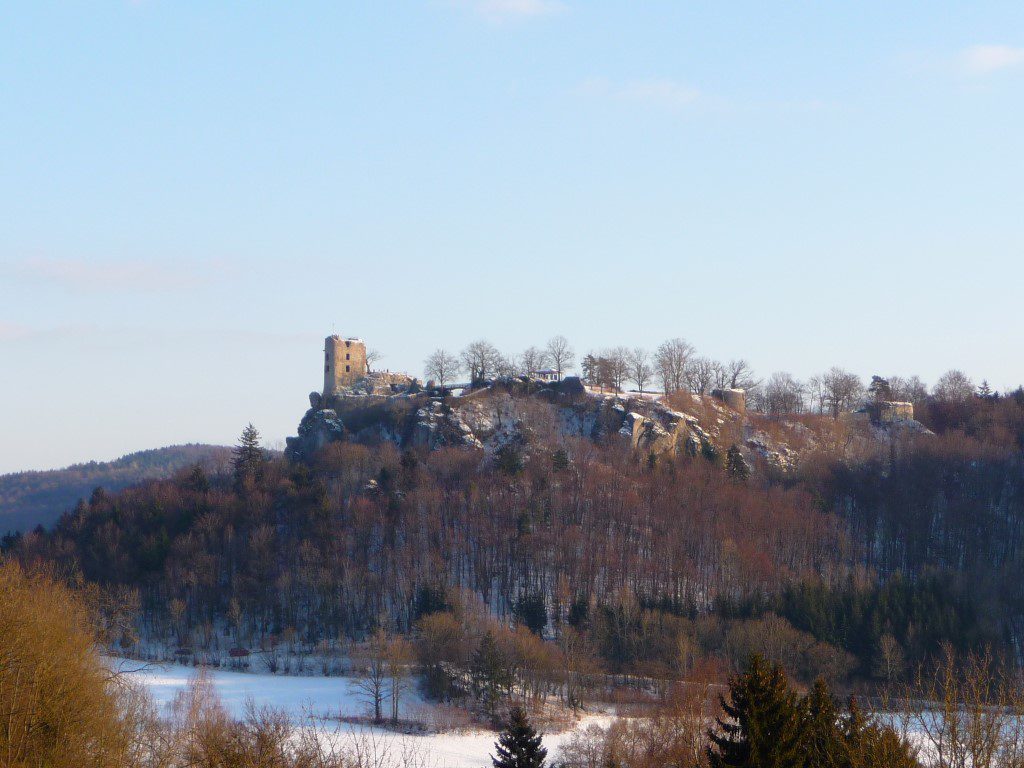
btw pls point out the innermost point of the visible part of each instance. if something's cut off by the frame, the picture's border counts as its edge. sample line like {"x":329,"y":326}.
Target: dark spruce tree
{"x":735,"y":465}
{"x":868,"y":745}
{"x":489,"y":673}
{"x":519,"y":745}
{"x":247,"y":458}
{"x":761,"y":727}
{"x":823,"y":737}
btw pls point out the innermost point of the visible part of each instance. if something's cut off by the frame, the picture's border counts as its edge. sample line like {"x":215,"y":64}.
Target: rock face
{"x":521,"y":413}
{"x":516,"y":412}
{"x":318,"y":427}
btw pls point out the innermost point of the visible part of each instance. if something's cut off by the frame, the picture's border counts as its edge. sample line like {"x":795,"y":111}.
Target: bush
{"x":59,"y":705}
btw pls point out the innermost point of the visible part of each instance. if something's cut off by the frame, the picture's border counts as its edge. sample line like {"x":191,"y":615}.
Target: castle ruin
{"x":344,"y":363}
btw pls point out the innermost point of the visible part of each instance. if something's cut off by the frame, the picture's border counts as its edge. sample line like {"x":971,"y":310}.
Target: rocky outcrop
{"x":376,"y":384}
{"x":438,"y":425}
{"x":507,"y":412}
{"x":521,"y":413}
{"x":319,"y":426}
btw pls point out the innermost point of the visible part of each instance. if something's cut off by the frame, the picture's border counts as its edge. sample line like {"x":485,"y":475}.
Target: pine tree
{"x":519,"y":745}
{"x":880,"y":388}
{"x":762,"y":726}
{"x":248,"y":459}
{"x":824,"y":742}
{"x":197,"y":480}
{"x":735,"y":465}
{"x":489,"y":673}
{"x":868,"y":745}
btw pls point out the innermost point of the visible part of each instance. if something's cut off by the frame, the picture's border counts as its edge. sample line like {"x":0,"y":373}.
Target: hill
{"x":637,"y":527}
{"x":28,"y":499}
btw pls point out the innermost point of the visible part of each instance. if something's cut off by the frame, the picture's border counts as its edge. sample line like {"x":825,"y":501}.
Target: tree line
{"x":675,"y":366}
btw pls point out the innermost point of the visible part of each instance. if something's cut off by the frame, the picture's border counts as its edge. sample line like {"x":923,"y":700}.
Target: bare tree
{"x":739,"y":375}
{"x":782,"y":394}
{"x":910,"y":389}
{"x":954,"y":387}
{"x":670,"y":361}
{"x":399,"y":659}
{"x":505,"y":367}
{"x":560,"y":354}
{"x":481,"y":359}
{"x":966,"y":711}
{"x":618,"y":367}
{"x":702,"y":374}
{"x":372,"y":678}
{"x":532,"y":360}
{"x":442,"y":367}
{"x":889,"y":658}
{"x":640,"y":368}
{"x":373,"y":356}
{"x":837,"y":390}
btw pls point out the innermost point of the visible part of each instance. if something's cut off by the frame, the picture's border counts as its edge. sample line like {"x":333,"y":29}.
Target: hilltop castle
{"x":347,"y":372}
{"x":344,"y":363}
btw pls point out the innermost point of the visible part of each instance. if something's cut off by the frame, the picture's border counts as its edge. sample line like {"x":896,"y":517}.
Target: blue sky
{"x":195,"y":193}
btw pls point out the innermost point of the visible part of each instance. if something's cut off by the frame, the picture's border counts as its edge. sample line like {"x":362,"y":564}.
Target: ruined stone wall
{"x":734,"y":398}
{"x":890,"y":411}
{"x":344,"y":363}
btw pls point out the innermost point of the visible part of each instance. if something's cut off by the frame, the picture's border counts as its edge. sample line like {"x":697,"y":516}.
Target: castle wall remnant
{"x":890,"y":411}
{"x":344,"y":363}
{"x":734,"y":398}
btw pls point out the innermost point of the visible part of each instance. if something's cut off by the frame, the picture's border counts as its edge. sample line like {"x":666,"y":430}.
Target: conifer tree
{"x":868,"y":745}
{"x":519,"y":745}
{"x":824,"y":742}
{"x":761,"y":728}
{"x":247,"y":458}
{"x":197,"y":480}
{"x":489,"y":673}
{"x":735,"y":465}
{"x":880,"y":388}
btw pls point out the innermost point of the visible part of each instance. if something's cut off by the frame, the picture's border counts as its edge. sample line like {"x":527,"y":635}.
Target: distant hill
{"x":28,"y":499}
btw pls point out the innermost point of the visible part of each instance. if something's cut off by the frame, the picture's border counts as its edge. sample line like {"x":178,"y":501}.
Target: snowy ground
{"x":329,"y":697}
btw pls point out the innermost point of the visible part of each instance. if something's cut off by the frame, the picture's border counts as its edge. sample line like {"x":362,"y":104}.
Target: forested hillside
{"x":28,"y":499}
{"x":850,"y":567}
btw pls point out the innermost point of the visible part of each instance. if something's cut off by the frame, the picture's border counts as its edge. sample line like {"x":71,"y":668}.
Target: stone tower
{"x":344,"y":363}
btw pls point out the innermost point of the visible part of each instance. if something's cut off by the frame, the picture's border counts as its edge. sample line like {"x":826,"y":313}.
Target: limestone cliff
{"x":526,"y":412}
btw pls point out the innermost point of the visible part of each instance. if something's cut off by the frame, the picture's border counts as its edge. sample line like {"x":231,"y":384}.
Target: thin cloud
{"x":510,"y":10}
{"x":14,"y":332}
{"x":105,"y":275}
{"x":659,"y":92}
{"x":985,"y":59}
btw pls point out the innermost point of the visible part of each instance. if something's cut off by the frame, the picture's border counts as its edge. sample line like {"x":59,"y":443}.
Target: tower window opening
{"x":347,"y":369}
{"x":347,"y":355}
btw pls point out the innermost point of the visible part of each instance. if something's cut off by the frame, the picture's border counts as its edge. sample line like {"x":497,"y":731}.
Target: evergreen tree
{"x":247,"y":458}
{"x":560,"y":460}
{"x":880,"y":388}
{"x":197,"y":480}
{"x":868,"y":745}
{"x":824,"y":742}
{"x":762,"y":726}
{"x":489,"y":673}
{"x":519,"y":745}
{"x":735,"y":465}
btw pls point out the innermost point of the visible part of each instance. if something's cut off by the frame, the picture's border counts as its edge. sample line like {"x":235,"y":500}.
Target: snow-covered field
{"x":329,"y":697}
